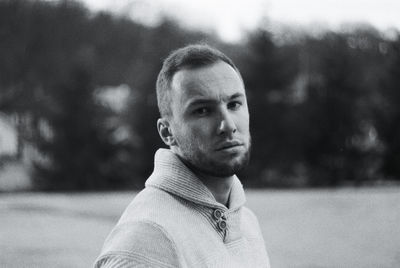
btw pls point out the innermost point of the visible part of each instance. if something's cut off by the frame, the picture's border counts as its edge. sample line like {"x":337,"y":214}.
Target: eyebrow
{"x":200,"y":100}
{"x":236,"y":95}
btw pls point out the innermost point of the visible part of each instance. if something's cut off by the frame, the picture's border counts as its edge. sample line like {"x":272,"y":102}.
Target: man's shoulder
{"x":144,"y":233}
{"x":152,"y":212}
{"x":247,"y":213}
{"x":152,"y":205}
{"x":250,"y":223}
{"x":135,"y":236}
{"x":139,"y":242}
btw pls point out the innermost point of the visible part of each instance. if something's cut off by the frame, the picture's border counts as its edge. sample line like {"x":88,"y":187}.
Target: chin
{"x":215,"y":164}
{"x":226,"y":168}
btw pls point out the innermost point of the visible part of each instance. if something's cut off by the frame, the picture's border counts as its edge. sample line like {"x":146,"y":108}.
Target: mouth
{"x":229,"y":145}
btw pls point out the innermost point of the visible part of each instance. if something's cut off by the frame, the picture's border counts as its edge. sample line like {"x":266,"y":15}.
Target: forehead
{"x":217,"y":81}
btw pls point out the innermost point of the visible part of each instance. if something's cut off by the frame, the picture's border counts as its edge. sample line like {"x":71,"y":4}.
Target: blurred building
{"x":14,"y":173}
{"x":8,"y":137}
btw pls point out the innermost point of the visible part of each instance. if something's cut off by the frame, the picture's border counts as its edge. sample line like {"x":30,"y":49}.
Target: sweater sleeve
{"x":255,"y":236}
{"x":138,"y":244}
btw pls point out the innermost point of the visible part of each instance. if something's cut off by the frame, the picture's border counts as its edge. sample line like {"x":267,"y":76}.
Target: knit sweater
{"x":176,"y":222}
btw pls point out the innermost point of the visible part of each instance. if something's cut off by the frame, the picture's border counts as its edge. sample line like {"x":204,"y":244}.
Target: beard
{"x":199,"y":161}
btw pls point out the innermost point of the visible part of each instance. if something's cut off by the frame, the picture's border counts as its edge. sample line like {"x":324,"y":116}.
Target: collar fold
{"x":172,"y":176}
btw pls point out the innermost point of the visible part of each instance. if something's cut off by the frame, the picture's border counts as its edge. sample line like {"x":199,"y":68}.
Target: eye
{"x":234,"y":105}
{"x":202,"y":111}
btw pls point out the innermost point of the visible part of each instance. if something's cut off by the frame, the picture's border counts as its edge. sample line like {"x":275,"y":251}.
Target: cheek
{"x":190,"y":134}
{"x":200,"y":134}
{"x":200,"y":131}
{"x":242,"y":123}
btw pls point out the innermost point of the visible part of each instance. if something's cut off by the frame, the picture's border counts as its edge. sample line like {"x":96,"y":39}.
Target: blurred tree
{"x":268,"y":71}
{"x":388,"y":119}
{"x":312,"y":101}
{"x":43,"y":44}
{"x":35,"y":45}
{"x":79,"y":152}
{"x":332,"y":111}
{"x":323,"y":108}
{"x":56,"y":54}
{"x":339,"y":147}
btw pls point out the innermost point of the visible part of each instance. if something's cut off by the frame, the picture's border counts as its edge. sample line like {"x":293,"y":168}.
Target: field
{"x":307,"y":228}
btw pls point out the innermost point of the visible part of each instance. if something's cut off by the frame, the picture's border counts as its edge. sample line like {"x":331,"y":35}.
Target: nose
{"x":227,"y":125}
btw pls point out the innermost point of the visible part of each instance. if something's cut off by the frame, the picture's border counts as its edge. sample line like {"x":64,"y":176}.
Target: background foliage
{"x":324,"y":107}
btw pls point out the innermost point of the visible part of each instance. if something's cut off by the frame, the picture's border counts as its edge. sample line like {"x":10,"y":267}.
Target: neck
{"x":220,"y":187}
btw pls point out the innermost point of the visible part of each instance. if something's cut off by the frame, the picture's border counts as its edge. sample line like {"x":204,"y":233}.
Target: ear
{"x":164,"y":130}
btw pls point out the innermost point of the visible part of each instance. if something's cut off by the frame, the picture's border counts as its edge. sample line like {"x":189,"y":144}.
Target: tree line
{"x":324,"y":108}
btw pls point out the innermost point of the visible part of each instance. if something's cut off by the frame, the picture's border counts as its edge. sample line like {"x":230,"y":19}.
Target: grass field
{"x":308,"y":228}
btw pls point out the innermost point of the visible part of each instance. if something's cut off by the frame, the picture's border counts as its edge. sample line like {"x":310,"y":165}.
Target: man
{"x":191,"y":212}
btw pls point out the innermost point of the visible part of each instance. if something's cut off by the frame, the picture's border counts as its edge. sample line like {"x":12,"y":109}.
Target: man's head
{"x":203,"y":107}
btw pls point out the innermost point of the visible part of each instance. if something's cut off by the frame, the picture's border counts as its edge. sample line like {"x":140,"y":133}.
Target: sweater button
{"x":222,"y":225}
{"x":218,"y":214}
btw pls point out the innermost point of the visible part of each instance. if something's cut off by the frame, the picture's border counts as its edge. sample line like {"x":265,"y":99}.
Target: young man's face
{"x":210,"y":119}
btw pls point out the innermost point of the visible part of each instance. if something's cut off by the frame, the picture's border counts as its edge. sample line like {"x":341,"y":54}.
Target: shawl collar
{"x":174,"y":177}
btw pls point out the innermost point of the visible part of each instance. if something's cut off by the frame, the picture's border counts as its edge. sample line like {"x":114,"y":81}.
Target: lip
{"x":229,"y":145}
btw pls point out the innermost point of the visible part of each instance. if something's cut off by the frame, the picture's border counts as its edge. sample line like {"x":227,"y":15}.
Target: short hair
{"x":188,"y":57}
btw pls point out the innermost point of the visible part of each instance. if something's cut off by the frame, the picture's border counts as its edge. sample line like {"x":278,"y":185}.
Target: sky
{"x":231,"y":18}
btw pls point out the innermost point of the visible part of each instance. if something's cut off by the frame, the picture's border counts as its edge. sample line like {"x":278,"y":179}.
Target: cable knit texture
{"x":171,"y":223}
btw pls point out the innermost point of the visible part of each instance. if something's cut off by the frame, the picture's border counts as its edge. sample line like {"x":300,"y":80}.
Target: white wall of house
{"x":8,"y":137}
{"x":14,"y":175}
